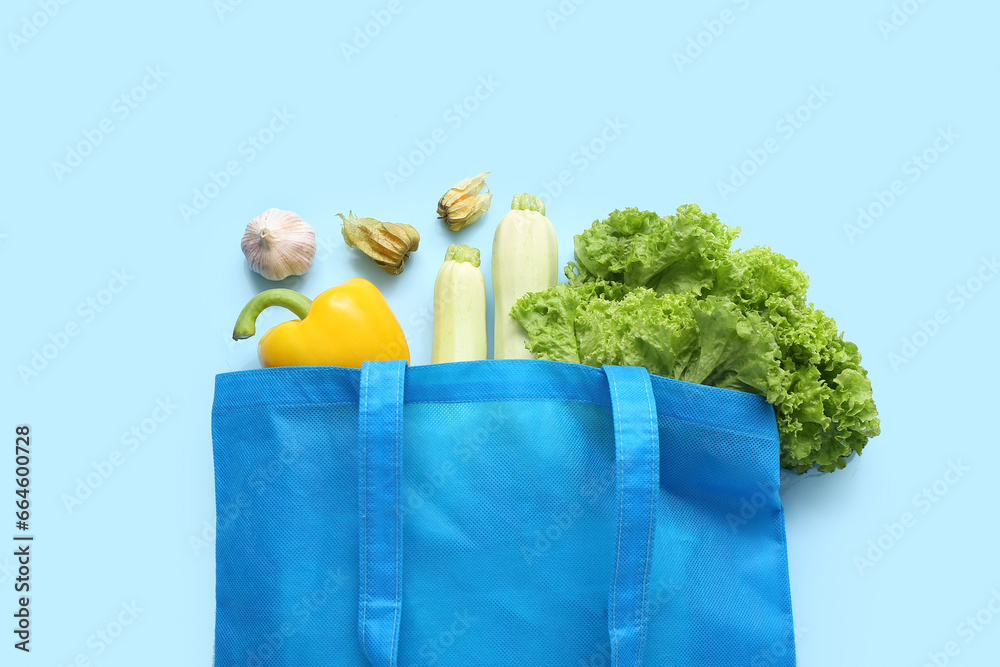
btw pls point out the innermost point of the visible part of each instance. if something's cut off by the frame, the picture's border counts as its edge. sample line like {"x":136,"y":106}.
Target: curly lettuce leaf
{"x":640,"y":329}
{"x":670,"y":295}
{"x":736,"y":350}
{"x":707,"y":341}
{"x":674,"y":255}
{"x":825,"y":409}
{"x":551,"y":317}
{"x":824,"y":403}
{"x":751,"y":277}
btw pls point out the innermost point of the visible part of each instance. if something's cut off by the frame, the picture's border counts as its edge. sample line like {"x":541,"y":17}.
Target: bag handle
{"x":637,"y":481}
{"x":380,"y":417}
{"x":637,"y":475}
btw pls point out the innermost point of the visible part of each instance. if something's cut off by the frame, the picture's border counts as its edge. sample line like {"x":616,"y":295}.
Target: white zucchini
{"x":459,"y":308}
{"x":525,"y":259}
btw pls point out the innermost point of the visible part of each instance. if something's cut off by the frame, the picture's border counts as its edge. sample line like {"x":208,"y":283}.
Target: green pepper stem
{"x":526,"y":202}
{"x":286,"y":298}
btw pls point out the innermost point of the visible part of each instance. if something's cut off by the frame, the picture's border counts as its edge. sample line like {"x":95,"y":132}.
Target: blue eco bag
{"x":525,"y":513}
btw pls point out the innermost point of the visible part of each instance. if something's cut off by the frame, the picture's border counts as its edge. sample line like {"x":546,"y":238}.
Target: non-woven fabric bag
{"x":524,"y":513}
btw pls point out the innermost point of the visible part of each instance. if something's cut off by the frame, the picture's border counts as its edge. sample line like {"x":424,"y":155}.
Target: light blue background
{"x":166,"y":334}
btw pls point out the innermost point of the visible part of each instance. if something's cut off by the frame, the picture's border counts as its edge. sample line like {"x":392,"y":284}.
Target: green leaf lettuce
{"x":669,"y":294}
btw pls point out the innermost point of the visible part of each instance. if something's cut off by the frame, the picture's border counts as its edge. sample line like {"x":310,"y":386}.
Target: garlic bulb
{"x":279,"y":244}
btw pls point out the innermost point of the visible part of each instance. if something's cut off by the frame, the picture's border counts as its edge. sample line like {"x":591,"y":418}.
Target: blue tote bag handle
{"x":637,"y":483}
{"x":380,"y":424}
{"x":637,"y":466}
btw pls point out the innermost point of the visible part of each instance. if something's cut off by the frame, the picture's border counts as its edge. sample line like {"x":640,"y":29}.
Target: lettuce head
{"x":670,"y":294}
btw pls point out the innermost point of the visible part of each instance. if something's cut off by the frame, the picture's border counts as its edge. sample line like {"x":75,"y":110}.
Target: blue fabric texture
{"x":637,"y":476}
{"x":379,"y":424}
{"x":496,"y":513}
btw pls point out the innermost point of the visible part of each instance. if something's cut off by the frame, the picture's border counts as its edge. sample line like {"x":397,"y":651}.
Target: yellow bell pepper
{"x":343,"y":326}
